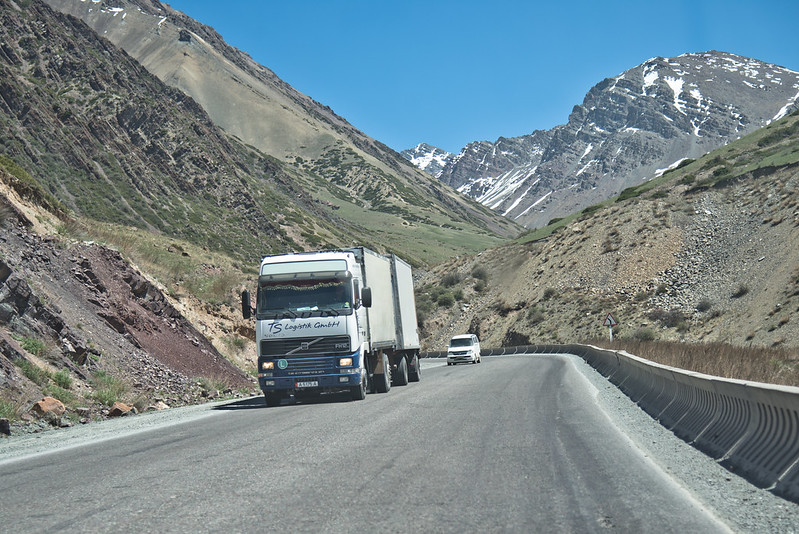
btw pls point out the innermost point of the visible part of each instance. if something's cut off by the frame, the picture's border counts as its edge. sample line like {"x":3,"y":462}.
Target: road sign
{"x":610,"y":321}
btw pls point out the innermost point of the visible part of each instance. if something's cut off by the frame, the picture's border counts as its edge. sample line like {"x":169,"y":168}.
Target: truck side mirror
{"x":246,"y":309}
{"x":366,"y":297}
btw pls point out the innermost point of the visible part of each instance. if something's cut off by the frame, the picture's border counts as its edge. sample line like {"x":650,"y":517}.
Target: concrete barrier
{"x":750,"y":428}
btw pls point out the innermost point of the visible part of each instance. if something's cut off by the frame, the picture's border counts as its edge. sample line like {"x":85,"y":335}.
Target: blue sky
{"x":451,"y":72}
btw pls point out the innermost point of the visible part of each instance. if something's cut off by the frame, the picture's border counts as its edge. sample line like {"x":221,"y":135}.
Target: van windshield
{"x":461,"y":342}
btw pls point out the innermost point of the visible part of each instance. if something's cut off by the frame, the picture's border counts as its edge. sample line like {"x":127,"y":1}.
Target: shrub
{"x":7,"y":410}
{"x":62,"y":394}
{"x":450,"y":279}
{"x":644,"y":334}
{"x":549,"y":293}
{"x":480,"y":273}
{"x":669,"y":319}
{"x":704,"y":305}
{"x":535,"y":316}
{"x":34,"y":373}
{"x":108,"y":389}
{"x":480,"y":286}
{"x":742,"y":290}
{"x":62,"y":379}
{"x":721,"y":171}
{"x":628,"y":193}
{"x":446,"y":300}
{"x":591,"y":209}
{"x":32,"y":345}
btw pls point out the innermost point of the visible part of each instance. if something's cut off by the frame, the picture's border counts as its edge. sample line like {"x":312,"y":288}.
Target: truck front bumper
{"x":326,"y":382}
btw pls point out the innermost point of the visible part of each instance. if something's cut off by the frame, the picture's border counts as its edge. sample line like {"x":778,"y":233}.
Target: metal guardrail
{"x":751,"y":428}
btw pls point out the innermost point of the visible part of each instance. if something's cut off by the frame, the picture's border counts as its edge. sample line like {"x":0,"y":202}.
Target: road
{"x":515,"y":444}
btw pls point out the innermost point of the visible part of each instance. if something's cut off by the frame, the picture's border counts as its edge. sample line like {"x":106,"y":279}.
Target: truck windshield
{"x":304,"y":297}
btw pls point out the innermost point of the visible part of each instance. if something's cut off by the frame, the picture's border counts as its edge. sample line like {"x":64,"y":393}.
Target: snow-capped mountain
{"x":628,"y":130}
{"x":430,"y":159}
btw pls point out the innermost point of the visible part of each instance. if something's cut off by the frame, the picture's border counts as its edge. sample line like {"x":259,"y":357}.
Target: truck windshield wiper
{"x":278,"y":314}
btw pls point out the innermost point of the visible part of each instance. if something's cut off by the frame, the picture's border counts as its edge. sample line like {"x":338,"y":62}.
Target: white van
{"x":464,"y":348}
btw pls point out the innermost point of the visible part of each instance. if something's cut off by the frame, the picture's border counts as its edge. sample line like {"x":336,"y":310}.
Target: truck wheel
{"x":358,"y":392}
{"x":416,"y":370}
{"x":271,"y":398}
{"x":401,"y":378}
{"x":383,"y":381}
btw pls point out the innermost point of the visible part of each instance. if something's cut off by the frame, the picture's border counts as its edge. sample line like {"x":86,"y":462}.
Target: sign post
{"x":610,"y":322}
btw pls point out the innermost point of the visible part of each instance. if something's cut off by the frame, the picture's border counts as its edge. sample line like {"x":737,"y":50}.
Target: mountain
{"x":430,"y":159}
{"x":706,"y":253}
{"x":628,"y":129}
{"x":362,"y":191}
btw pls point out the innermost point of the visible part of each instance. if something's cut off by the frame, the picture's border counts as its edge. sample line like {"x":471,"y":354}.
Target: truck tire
{"x":358,"y":392}
{"x":272,"y":398}
{"x":383,"y":381}
{"x":401,"y":377}
{"x":415,"y":372}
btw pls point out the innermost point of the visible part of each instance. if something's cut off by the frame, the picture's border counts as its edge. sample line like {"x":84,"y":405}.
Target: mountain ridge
{"x":359,"y":178}
{"x":628,"y":128}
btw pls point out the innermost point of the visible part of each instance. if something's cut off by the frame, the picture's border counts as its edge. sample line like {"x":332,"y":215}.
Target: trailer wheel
{"x":401,"y":378}
{"x":272,"y":399}
{"x":383,"y":381}
{"x":415,"y":373}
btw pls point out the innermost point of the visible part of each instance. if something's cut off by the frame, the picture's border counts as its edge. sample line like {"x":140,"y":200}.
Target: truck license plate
{"x":307,"y":384}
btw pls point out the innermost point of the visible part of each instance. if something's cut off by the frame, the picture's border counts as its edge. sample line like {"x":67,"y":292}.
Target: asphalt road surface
{"x":514,"y":444}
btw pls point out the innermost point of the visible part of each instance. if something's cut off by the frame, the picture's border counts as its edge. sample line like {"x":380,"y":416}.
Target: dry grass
{"x":768,"y":365}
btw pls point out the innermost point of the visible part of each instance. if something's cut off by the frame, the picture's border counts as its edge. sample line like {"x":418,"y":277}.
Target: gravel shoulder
{"x":743,"y":506}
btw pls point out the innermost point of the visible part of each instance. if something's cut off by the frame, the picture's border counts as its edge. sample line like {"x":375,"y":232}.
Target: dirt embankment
{"x":80,"y":311}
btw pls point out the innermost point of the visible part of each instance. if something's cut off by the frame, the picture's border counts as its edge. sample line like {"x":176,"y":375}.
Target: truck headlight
{"x":267,"y":366}
{"x":345,"y":362}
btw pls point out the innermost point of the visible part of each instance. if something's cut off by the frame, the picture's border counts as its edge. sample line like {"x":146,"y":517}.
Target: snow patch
{"x":786,"y":108}
{"x":649,"y":79}
{"x":534,"y":204}
{"x":588,"y":150}
{"x":676,"y":86}
{"x":674,"y":165}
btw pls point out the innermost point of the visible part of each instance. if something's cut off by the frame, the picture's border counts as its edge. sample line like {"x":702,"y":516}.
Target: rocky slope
{"x":628,"y":129}
{"x":76,"y":317}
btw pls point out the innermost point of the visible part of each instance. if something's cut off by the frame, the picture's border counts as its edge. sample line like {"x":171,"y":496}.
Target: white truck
{"x":336,"y":320}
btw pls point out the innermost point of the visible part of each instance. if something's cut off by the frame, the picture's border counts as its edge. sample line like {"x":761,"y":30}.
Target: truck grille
{"x":306,"y":346}
{"x":308,"y":366}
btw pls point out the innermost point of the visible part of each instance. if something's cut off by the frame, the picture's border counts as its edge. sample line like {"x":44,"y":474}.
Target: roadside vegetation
{"x":757,"y":364}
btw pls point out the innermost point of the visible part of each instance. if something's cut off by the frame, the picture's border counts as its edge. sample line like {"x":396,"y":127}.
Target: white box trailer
{"x":334,"y":320}
{"x":392,"y":315}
